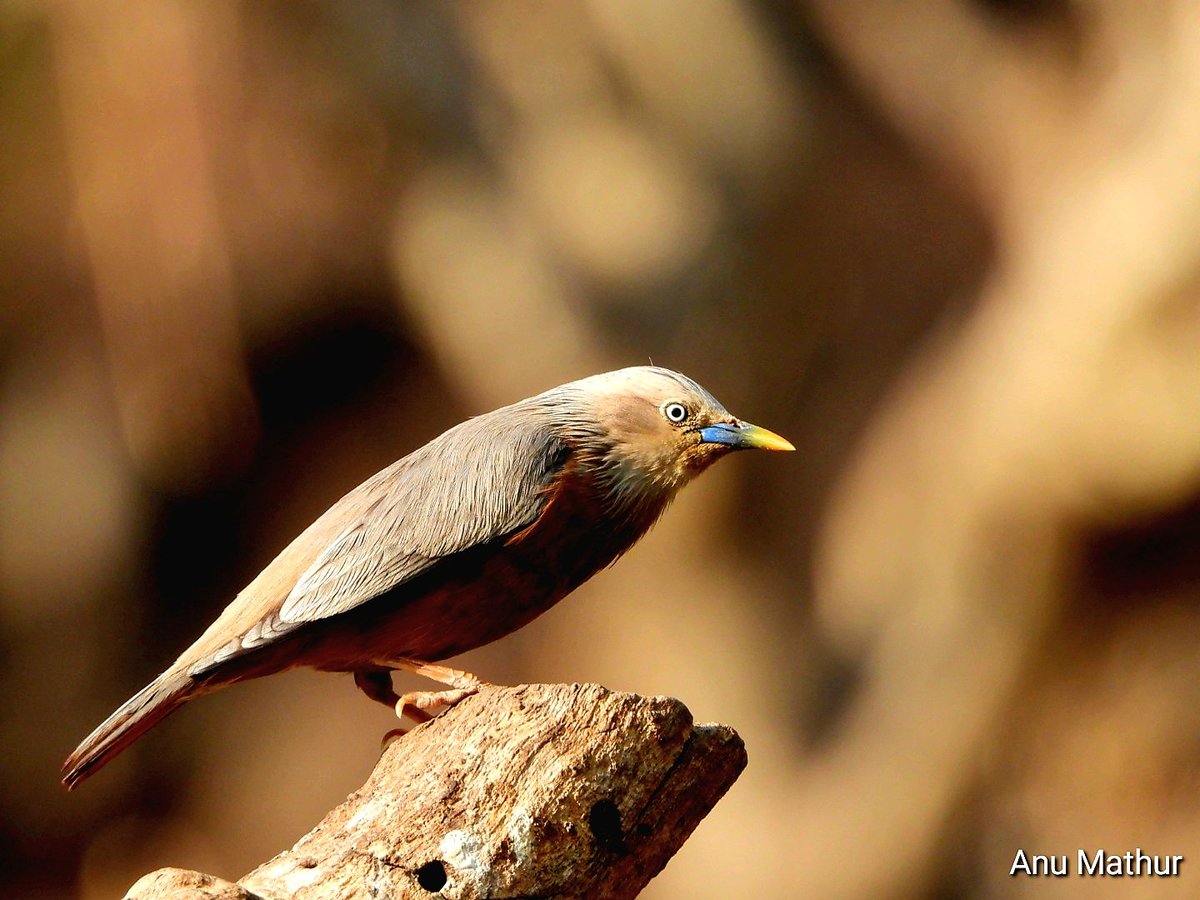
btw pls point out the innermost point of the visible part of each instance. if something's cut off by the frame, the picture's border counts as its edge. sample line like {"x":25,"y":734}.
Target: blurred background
{"x":250,"y":253}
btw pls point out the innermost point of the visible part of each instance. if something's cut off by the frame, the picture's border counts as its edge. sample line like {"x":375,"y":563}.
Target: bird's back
{"x":397,"y":534}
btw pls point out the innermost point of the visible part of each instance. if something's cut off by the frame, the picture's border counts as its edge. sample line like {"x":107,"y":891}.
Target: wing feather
{"x":477,"y":482}
{"x":472,"y":485}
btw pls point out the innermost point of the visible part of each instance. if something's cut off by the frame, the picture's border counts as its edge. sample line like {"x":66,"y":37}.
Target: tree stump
{"x":529,"y":791}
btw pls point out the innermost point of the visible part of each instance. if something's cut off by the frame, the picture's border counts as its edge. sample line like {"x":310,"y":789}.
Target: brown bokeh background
{"x":252,"y":252}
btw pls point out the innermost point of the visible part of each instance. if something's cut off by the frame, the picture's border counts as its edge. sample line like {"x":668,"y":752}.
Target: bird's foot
{"x":421,"y":706}
{"x":418,"y":706}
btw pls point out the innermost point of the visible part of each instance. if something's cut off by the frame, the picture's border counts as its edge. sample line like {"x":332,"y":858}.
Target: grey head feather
{"x":611,"y":419}
{"x":575,"y":407}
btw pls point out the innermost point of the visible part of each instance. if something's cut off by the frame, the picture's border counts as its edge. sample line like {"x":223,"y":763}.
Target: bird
{"x":455,"y":545}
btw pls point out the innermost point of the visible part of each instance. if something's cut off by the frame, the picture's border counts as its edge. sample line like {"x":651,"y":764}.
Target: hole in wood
{"x":432,"y":876}
{"x":605,"y":822}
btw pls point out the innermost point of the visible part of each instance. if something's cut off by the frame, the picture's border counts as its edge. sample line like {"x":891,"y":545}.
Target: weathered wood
{"x":530,"y":791}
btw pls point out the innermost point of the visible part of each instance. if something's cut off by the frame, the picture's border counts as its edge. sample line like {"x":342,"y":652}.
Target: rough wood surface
{"x":530,"y":791}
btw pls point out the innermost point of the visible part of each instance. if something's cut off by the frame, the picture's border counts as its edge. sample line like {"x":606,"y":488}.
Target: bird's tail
{"x":135,"y":717}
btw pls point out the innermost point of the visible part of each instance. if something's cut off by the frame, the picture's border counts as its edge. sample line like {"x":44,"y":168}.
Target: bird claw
{"x":390,"y":738}
{"x":417,"y":706}
{"x":421,"y":706}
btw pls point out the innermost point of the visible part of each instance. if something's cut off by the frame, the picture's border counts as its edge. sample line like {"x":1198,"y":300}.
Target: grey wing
{"x":473,"y":484}
{"x":477,"y":482}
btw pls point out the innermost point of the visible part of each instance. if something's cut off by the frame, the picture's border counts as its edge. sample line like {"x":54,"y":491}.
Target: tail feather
{"x":135,"y":717}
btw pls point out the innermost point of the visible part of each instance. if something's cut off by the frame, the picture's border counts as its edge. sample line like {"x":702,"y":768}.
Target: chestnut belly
{"x":464,"y":602}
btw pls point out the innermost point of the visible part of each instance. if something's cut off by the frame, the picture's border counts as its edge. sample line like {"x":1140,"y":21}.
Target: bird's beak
{"x":744,"y":436}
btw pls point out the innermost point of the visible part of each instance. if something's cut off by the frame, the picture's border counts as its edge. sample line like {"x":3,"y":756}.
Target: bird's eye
{"x":675,"y":412}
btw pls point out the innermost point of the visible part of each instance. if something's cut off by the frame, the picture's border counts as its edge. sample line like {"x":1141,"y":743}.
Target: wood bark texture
{"x":529,"y":791}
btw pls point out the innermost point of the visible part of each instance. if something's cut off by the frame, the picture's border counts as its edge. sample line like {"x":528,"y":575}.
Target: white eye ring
{"x":675,"y":412}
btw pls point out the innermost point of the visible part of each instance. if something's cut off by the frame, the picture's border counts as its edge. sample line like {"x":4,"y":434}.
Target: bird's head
{"x":647,"y":431}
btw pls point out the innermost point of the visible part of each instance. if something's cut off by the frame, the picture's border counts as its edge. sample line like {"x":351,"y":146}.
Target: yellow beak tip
{"x":760,"y":438}
{"x":779,"y":445}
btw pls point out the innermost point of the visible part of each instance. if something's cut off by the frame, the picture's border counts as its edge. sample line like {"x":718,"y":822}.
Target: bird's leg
{"x":377,"y":684}
{"x":421,"y":706}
